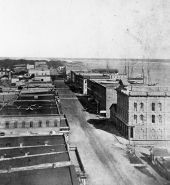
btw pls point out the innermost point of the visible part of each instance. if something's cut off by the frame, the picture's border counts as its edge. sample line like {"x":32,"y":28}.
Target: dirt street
{"x":104,"y":158}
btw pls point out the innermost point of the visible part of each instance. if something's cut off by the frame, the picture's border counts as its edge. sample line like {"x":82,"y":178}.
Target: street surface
{"x":104,"y":158}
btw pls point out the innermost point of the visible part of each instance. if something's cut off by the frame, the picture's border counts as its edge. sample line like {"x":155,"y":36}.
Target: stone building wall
{"x":143,"y":116}
{"x":149,"y":117}
{"x":7,"y":122}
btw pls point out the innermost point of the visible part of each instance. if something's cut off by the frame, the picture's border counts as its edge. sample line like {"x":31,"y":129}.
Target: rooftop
{"x":92,"y":75}
{"x":35,"y":90}
{"x":39,"y":160}
{"x":51,"y":176}
{"x":107,"y":83}
{"x":32,"y":101}
{"x":144,"y":90}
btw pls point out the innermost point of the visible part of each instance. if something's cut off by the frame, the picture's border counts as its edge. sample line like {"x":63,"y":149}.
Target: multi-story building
{"x":101,"y":87}
{"x":35,"y":109}
{"x":104,"y":94}
{"x":79,"y":79}
{"x":142,"y":113}
{"x":40,"y":72}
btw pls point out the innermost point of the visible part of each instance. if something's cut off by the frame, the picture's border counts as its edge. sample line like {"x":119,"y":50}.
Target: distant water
{"x":159,"y":70}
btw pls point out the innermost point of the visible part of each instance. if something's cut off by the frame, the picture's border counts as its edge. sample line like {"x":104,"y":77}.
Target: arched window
{"x":135,"y":118}
{"x":55,"y":123}
{"x":142,"y":106}
{"x":23,"y":124}
{"x":135,"y":106}
{"x":160,"y":106}
{"x":7,"y":124}
{"x":47,"y":123}
{"x":15,"y":124}
{"x":39,"y":123}
{"x":160,"y":118}
{"x":153,"y":118}
{"x":142,"y":118}
{"x":31,"y":124}
{"x":153,"y":106}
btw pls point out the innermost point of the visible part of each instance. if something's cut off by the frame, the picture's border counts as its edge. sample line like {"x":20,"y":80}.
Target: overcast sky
{"x":85,"y":28}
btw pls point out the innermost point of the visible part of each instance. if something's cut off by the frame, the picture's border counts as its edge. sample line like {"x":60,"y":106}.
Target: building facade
{"x":142,"y":113}
{"x":104,"y":93}
{"x":80,"y":79}
{"x":38,"y":72}
{"x":100,"y":87}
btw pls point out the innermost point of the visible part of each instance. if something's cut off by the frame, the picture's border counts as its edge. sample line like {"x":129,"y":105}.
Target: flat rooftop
{"x":35,"y":90}
{"x":33,"y":160}
{"x":49,"y":176}
{"x":28,"y":102}
{"x":92,"y":75}
{"x":31,"y":150}
{"x":32,"y":140}
{"x":40,"y":160}
{"x":30,"y":108}
{"x":143,"y":90}
{"x":107,"y":83}
{"x":45,"y":96}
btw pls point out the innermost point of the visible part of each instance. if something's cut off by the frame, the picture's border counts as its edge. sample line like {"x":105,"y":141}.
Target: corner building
{"x":142,"y":113}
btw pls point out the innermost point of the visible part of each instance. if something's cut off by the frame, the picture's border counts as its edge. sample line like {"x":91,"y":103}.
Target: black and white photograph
{"x":84,"y":92}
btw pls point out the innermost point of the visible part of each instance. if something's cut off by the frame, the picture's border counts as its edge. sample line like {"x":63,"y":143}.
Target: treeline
{"x":9,"y":63}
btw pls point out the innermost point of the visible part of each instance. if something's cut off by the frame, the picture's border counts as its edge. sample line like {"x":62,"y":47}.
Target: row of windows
{"x":31,"y":124}
{"x":41,"y":74}
{"x":153,"y":134}
{"x":153,"y":106}
{"x":141,"y":118}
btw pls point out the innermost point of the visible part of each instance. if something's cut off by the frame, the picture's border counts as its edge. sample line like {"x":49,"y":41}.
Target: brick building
{"x":100,"y":87}
{"x":142,"y":113}
{"x":79,"y":79}
{"x":104,"y":93}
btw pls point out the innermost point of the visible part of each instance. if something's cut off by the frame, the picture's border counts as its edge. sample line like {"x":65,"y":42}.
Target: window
{"x":142,"y":106}
{"x":160,"y":118}
{"x":153,"y":106}
{"x":55,"y":123}
{"x":142,"y":118}
{"x":160,"y":106}
{"x":153,"y":118}
{"x":23,"y":124}
{"x":47,"y":123}
{"x":7,"y":124}
{"x":15,"y":124}
{"x":135,"y":118}
{"x":131,"y":132}
{"x":31,"y":124}
{"x":135,"y":106}
{"x":40,"y":123}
